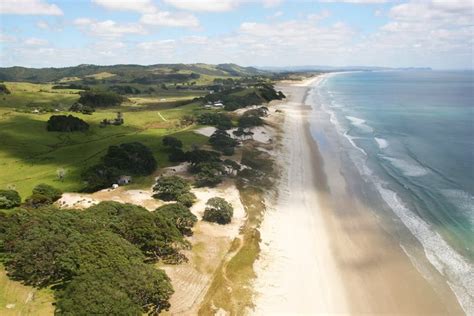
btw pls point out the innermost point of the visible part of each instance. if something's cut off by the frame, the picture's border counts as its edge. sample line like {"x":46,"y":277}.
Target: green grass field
{"x":30,"y":155}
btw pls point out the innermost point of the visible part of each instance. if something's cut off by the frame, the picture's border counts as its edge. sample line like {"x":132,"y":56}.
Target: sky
{"x":413,"y":33}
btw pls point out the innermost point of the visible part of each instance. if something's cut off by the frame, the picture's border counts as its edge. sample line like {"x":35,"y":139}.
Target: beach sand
{"x":322,"y":250}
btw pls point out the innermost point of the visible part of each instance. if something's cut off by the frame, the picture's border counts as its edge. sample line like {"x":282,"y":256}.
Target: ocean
{"x":409,"y":135}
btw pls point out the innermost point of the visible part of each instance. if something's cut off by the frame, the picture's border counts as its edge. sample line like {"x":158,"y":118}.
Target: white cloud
{"x":357,"y":1}
{"x":205,"y":5}
{"x":108,"y":28}
{"x":29,"y":7}
{"x":141,"y":6}
{"x":35,"y":42}
{"x":165,"y":18}
{"x":4,"y":38}
{"x":217,"y":5}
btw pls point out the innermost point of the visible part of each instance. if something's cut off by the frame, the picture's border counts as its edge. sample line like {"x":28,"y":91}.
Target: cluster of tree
{"x":42,"y":195}
{"x":221,"y":140}
{"x":251,"y":118}
{"x":127,"y":158}
{"x":175,"y":147}
{"x":81,"y":108}
{"x":72,"y":86}
{"x":97,"y":98}
{"x":63,"y":123}
{"x":219,"y":120}
{"x":218,"y":211}
{"x":234,"y":99}
{"x":97,"y":259}
{"x":4,"y":89}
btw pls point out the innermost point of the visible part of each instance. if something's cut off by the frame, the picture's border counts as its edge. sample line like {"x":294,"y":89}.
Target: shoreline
{"x":354,"y":265}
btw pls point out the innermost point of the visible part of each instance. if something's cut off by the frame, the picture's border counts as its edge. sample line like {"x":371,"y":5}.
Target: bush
{"x":199,"y":155}
{"x":9,"y":199}
{"x":63,"y":123}
{"x":187,"y":199}
{"x":218,"y":211}
{"x":170,"y":188}
{"x":51,"y":192}
{"x":99,"y":177}
{"x":37,"y":200}
{"x":180,"y":215}
{"x":208,"y":173}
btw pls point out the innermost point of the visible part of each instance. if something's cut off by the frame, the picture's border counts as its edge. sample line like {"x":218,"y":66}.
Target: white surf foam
{"x":408,"y":169}
{"x":446,"y":260}
{"x":382,"y":143}
{"x":360,"y":123}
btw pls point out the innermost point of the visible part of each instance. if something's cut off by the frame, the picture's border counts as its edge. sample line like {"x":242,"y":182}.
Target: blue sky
{"x":56,"y":33}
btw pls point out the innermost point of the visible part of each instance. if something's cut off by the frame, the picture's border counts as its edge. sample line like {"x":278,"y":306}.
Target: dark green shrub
{"x":51,"y":192}
{"x":63,"y":123}
{"x":180,"y":215}
{"x":187,"y":199}
{"x":9,"y":199}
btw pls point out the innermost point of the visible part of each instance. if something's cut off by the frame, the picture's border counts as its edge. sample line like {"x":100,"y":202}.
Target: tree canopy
{"x":96,"y":256}
{"x":218,"y":210}
{"x":98,"y":99}
{"x":63,"y":123}
{"x":170,"y":188}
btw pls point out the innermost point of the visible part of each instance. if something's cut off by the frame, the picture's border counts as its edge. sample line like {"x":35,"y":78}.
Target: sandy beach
{"x":322,"y":250}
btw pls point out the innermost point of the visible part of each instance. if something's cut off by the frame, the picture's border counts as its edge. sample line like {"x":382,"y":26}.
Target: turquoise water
{"x":410,"y":135}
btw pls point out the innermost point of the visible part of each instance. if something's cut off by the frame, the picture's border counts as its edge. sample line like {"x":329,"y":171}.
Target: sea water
{"x":410,"y":136}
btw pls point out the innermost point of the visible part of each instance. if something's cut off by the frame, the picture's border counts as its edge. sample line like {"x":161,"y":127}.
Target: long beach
{"x":322,"y":250}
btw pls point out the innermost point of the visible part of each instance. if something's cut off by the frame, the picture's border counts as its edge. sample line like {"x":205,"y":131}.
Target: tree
{"x":172,"y":142}
{"x":208,"y":173}
{"x":134,"y":158}
{"x":248,"y":121}
{"x":99,"y":177}
{"x":50,"y":192}
{"x":218,"y":211}
{"x":63,"y":123}
{"x":197,"y":156}
{"x":157,"y":237}
{"x":221,"y":140}
{"x":187,"y":199}
{"x":9,"y":199}
{"x":170,"y":188}
{"x":219,"y":120}
{"x":180,"y":215}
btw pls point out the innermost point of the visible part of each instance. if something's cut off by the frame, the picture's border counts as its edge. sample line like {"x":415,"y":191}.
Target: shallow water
{"x":410,"y":136}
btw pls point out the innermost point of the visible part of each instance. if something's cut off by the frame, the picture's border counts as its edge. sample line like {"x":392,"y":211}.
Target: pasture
{"x":30,"y":155}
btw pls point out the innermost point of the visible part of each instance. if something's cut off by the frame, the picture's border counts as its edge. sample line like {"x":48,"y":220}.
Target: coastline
{"x":322,"y":250}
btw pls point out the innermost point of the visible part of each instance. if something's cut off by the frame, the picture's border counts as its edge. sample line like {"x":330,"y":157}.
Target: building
{"x":124,"y":180}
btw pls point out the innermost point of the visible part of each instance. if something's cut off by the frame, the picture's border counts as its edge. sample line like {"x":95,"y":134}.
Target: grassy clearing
{"x":231,"y":287}
{"x":30,"y":155}
{"x":19,"y":299}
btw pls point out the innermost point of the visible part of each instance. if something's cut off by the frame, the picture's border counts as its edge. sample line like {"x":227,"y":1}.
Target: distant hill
{"x":334,"y":68}
{"x":124,"y":72}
